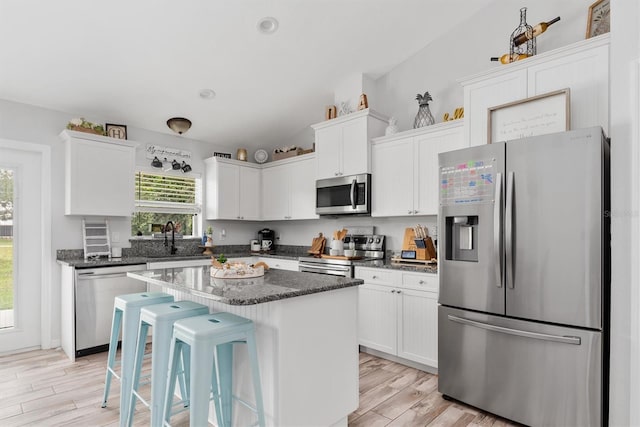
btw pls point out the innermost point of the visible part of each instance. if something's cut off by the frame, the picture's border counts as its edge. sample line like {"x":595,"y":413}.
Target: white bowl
{"x":349,"y":253}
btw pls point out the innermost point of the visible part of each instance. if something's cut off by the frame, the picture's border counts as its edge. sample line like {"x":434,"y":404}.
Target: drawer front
{"x":422,"y":281}
{"x":379,"y":276}
{"x":281,"y":264}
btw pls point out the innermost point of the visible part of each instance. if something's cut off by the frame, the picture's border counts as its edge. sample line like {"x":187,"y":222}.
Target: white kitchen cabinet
{"x":232,"y":189}
{"x":288,"y":189}
{"x":279,"y":263}
{"x":405,"y":169}
{"x":583,"y":67}
{"x":397,"y":313}
{"x":342,"y":144}
{"x":99,"y":174}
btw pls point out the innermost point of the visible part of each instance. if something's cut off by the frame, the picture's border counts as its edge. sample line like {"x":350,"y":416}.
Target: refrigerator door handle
{"x":516,"y":332}
{"x":497,"y":229}
{"x":508,"y":230}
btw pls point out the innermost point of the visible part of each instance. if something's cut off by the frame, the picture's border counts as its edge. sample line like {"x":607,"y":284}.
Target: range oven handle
{"x":322,"y":267}
{"x":353,"y":193}
{"x":516,"y":332}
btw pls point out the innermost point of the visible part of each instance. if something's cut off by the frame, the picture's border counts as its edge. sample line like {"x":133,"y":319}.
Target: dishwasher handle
{"x":93,"y":275}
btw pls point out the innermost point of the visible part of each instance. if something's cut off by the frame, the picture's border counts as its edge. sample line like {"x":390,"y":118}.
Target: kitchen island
{"x":306,"y":326}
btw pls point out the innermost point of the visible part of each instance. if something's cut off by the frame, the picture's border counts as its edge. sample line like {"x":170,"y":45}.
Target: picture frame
{"x":116,"y":131}
{"x":598,"y":18}
{"x":537,"y":115}
{"x":222,"y":155}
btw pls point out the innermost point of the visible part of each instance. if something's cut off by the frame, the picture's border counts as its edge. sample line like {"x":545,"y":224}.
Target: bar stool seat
{"x":209,"y":339}
{"x":161,"y":318}
{"x":126,"y":316}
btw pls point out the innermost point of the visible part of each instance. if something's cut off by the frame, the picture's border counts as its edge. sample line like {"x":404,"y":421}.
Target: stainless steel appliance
{"x":95,"y":290}
{"x":524,"y":278}
{"x":366,"y":246}
{"x":344,"y":195}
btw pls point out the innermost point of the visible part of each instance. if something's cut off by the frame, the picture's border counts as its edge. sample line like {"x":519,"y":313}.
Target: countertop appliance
{"x":524,"y":269}
{"x":95,"y":290}
{"x":267,"y":239}
{"x":344,"y":195}
{"x":367,"y":247}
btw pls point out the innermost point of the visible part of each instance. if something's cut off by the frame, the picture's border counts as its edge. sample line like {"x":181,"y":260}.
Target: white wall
{"x":625,"y":192}
{"x":466,"y":50}
{"x":36,"y":125}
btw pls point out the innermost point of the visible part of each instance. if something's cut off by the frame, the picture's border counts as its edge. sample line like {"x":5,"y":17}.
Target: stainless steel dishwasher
{"x":95,"y":290}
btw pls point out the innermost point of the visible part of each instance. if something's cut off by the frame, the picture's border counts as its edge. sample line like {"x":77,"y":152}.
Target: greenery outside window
{"x":162,"y":198}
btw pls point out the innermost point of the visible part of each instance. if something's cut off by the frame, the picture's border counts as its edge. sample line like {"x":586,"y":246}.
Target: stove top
{"x":367,"y":246}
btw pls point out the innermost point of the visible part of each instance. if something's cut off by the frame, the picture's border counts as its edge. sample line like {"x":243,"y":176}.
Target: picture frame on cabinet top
{"x":598,"y":18}
{"x":116,"y":131}
{"x":537,"y":115}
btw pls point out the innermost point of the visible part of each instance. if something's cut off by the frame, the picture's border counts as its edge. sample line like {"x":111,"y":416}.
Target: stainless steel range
{"x":367,"y":247}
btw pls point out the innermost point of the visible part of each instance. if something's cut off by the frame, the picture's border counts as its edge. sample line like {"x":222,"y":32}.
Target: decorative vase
{"x":424,"y":116}
{"x":392,"y":128}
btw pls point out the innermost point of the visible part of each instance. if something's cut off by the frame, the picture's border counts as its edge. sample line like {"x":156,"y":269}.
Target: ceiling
{"x":141,"y":62}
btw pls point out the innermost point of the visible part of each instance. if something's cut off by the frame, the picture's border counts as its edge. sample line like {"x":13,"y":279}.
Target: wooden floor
{"x":43,"y":388}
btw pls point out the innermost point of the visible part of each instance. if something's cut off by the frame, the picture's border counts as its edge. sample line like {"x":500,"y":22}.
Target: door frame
{"x":44,"y":151}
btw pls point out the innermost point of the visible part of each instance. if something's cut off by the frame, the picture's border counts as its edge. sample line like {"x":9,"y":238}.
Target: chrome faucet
{"x":173,"y":237}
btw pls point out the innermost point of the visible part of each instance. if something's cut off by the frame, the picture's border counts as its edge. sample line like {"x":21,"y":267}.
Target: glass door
{"x":7,"y":255}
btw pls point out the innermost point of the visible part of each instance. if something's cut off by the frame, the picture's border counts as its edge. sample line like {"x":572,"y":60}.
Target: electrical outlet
{"x":223,"y":234}
{"x":115,"y":237}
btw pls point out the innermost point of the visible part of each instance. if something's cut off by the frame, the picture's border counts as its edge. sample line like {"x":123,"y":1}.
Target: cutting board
{"x":341,"y":257}
{"x":317,"y":245}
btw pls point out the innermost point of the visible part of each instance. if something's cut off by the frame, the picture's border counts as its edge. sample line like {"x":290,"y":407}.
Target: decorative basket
{"x":286,"y":155}
{"x":85,"y":130}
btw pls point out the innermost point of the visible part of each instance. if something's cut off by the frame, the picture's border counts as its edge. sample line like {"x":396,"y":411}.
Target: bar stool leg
{"x":137,"y":368}
{"x":129,"y":340}
{"x":255,"y":371}
{"x":116,"y":323}
{"x":225,"y":377}
{"x":201,"y":383}
{"x":185,"y":379}
{"x":174,"y":359}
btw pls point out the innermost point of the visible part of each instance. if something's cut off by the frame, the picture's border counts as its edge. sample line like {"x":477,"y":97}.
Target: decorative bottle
{"x":528,"y":47}
{"x":424,"y":116}
{"x":537,"y":30}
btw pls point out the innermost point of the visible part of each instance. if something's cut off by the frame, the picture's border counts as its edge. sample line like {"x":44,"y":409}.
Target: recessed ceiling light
{"x":268,"y":25}
{"x":207,"y":94}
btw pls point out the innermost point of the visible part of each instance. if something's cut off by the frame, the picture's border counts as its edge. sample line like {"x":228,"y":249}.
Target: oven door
{"x":344,"y":195}
{"x":332,"y":269}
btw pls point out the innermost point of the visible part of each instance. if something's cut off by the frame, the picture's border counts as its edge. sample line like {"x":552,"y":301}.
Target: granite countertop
{"x":79,"y":262}
{"x":273,"y":286}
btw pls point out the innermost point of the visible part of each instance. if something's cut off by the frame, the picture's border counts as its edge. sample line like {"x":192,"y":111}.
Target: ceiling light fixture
{"x":268,"y":25}
{"x":179,"y":124}
{"x":207,"y":94}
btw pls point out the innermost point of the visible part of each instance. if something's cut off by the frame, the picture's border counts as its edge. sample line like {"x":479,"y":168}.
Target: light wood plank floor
{"x":43,"y":388}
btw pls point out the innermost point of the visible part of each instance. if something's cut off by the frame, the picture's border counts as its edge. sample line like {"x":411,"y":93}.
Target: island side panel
{"x":308,"y":355}
{"x":318,"y":381}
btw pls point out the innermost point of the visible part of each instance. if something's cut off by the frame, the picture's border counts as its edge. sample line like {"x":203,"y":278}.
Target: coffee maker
{"x":267,"y":238}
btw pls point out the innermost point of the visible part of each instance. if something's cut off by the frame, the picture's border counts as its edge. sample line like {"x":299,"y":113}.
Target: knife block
{"x":409,"y":244}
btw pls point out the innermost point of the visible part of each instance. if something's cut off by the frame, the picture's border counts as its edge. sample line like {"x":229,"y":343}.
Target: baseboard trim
{"x":400,"y":360}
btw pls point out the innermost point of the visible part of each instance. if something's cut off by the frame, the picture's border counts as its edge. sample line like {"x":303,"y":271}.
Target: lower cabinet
{"x":397,"y":314}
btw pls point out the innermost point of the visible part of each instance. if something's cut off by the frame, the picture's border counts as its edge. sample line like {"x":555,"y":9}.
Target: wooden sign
{"x":363,"y":104}
{"x":330,"y":112}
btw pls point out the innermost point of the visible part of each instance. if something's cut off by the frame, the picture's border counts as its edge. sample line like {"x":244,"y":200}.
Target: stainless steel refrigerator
{"x":524,"y":278}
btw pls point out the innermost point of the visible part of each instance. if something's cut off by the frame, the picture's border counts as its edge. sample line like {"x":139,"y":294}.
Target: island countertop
{"x":273,"y":286}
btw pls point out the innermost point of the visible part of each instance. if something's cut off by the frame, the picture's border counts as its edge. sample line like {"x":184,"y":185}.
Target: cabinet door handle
{"x":421,"y":282}
{"x":374,"y":277}
{"x":336,"y":174}
{"x":409,"y":211}
{"x":399,"y":291}
{"x":393,"y":291}
{"x":415,"y":212}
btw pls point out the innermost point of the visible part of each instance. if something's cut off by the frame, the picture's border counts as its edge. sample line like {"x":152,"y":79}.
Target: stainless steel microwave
{"x":344,"y":195}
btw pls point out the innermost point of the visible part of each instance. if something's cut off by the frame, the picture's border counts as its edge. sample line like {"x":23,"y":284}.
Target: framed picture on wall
{"x":598,"y":18}
{"x":116,"y":131}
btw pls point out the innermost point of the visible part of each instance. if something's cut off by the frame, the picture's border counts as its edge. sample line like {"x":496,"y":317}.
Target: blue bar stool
{"x":126,"y":316}
{"x":161,"y":318}
{"x":206,"y":337}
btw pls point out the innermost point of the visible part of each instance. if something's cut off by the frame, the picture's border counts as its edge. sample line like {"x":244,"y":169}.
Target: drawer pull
{"x":421,"y":282}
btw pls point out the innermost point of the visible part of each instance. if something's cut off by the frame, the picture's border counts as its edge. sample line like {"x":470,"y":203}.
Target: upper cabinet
{"x":342,"y":144}
{"x":405,"y":169}
{"x":232,"y":189}
{"x":289,"y":189}
{"x":583,"y":67}
{"x":99,"y":174}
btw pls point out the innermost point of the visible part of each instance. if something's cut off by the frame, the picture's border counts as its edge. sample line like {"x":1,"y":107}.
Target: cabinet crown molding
{"x":351,"y":116}
{"x":581,"y":45}
{"x":67,"y":134}
{"x":438,"y":127}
